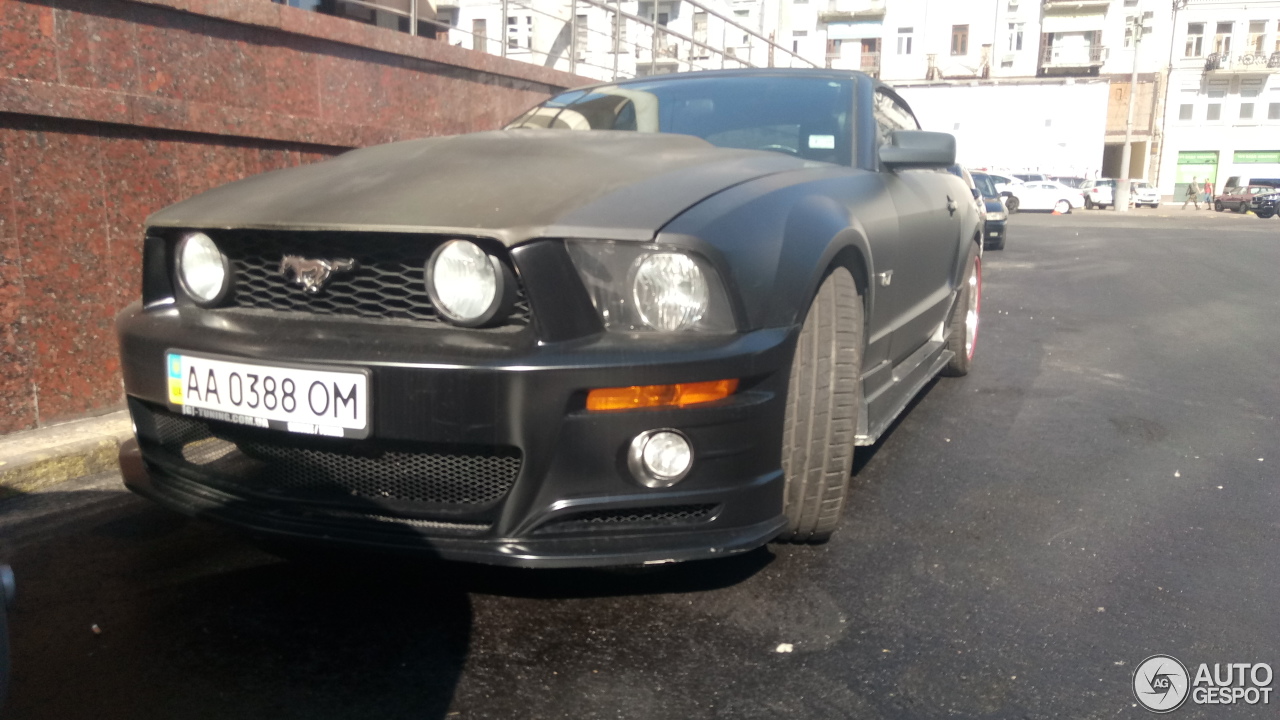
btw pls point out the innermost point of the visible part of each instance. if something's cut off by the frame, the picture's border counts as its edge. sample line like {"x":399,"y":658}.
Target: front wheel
{"x":1088,"y":203}
{"x":1012,"y":205}
{"x":962,"y":329}
{"x":1062,"y":207}
{"x":1217,"y":205}
{"x":1243,"y":209}
{"x":1264,"y":214}
{"x":824,"y":394}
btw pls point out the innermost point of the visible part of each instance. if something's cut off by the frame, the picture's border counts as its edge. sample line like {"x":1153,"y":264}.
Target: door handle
{"x":951,"y":205}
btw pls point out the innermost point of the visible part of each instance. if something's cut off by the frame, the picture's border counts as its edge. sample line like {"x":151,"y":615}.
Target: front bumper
{"x":444,"y":393}
{"x":993,"y":233}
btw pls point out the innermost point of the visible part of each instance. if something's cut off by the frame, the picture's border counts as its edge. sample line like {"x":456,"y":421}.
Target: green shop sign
{"x":1197,"y":158}
{"x":1256,"y":156}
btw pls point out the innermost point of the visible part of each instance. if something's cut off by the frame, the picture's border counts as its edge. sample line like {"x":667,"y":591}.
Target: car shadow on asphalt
{"x":137,"y":612}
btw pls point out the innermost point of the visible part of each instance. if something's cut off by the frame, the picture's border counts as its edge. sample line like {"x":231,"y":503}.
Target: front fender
{"x":774,"y":238}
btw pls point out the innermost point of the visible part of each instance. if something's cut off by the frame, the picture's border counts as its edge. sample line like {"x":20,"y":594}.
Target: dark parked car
{"x":6,"y":599}
{"x":996,"y":226}
{"x":1265,"y":205}
{"x":659,"y":339}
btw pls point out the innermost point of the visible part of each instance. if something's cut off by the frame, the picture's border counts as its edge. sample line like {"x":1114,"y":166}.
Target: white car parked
{"x":1144,"y":194}
{"x":1044,"y":195}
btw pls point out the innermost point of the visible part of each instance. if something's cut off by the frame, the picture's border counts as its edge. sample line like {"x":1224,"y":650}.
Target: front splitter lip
{"x":198,"y":500}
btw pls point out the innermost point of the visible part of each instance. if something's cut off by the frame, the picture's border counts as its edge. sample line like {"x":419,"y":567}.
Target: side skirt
{"x":909,"y":377}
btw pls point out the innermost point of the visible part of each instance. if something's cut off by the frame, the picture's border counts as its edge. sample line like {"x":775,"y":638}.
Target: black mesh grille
{"x":635,"y":517}
{"x":449,"y":475}
{"x":386,"y":284}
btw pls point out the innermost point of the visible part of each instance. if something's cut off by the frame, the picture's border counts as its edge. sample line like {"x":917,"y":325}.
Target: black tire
{"x":958,"y":342}
{"x":1243,"y":208}
{"x":1264,"y":214}
{"x":1012,"y":204}
{"x":1217,"y":205}
{"x":1088,"y":203}
{"x":823,"y":397}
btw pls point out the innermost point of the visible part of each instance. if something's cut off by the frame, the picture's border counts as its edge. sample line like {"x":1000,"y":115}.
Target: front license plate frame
{"x":177,"y":378}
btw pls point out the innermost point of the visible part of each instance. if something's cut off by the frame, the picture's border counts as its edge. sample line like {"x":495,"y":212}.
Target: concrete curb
{"x":35,"y":459}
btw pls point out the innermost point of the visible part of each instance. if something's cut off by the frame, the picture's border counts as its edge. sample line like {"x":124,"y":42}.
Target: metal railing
{"x":651,"y":45}
{"x":1247,"y":61}
{"x":1085,"y":56}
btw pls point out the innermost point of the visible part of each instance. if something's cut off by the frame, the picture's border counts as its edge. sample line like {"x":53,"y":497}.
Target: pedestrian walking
{"x":1208,"y":194}
{"x":1193,"y":193}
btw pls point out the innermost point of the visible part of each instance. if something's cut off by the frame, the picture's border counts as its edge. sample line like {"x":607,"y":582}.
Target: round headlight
{"x":202,"y":269}
{"x":670,"y":291}
{"x":466,"y":283}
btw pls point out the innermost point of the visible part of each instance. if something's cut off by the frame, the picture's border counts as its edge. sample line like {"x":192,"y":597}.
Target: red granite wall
{"x":110,"y":109}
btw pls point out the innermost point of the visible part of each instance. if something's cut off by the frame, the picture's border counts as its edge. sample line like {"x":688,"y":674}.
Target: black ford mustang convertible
{"x":647,"y":322}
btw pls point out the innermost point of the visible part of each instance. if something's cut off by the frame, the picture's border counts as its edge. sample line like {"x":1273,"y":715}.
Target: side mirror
{"x":976,"y":195}
{"x":1006,"y":193}
{"x":918,"y":149}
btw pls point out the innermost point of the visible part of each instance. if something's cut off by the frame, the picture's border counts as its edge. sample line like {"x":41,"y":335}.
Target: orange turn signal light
{"x":644,"y":396}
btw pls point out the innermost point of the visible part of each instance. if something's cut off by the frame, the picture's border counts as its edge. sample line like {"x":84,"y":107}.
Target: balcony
{"x":1070,"y":57}
{"x":1246,"y":63}
{"x":1069,"y":6}
{"x":843,"y":11}
{"x":870,"y":64}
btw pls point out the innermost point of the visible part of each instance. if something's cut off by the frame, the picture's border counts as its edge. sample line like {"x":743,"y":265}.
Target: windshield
{"x":805,"y":117}
{"x":985,"y":185}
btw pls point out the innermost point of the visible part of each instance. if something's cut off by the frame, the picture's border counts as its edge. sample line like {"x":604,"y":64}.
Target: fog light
{"x":660,"y":458}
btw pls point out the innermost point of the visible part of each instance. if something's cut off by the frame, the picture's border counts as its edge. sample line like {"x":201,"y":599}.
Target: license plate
{"x":283,"y":397}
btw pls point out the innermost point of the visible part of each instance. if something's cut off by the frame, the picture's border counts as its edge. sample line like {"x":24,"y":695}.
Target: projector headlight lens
{"x":642,"y":287}
{"x":670,"y":291}
{"x":203,"y":270}
{"x":467,"y":285}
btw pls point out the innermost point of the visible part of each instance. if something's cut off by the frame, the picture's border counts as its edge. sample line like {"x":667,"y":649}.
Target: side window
{"x":891,"y":115}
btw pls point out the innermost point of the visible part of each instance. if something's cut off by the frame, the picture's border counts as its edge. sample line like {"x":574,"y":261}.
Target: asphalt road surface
{"x":1102,"y":488}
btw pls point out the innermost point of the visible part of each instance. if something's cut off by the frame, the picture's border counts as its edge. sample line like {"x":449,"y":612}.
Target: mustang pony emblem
{"x":311,"y":275}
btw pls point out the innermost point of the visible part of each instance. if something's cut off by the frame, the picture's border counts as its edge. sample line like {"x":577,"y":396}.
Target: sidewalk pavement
{"x":34,"y":459}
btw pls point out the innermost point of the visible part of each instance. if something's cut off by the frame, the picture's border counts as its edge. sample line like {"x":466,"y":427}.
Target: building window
{"x":479,"y":35}
{"x":519,"y":32}
{"x":582,"y":37}
{"x":1215,"y":111}
{"x":904,"y":40}
{"x":1015,"y":36}
{"x":700,"y":27}
{"x":620,"y":34}
{"x":1130,"y":3}
{"x":742,"y":13}
{"x":1273,"y":111}
{"x":1222,"y":38}
{"x":1185,"y":111}
{"x":959,"y":39}
{"x":1195,"y":40}
{"x":795,"y":40}
{"x":1258,"y":36}
{"x":1246,"y":111}
{"x":833,"y":48}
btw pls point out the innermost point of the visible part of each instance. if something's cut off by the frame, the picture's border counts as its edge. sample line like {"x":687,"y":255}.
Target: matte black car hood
{"x":511,"y":184}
